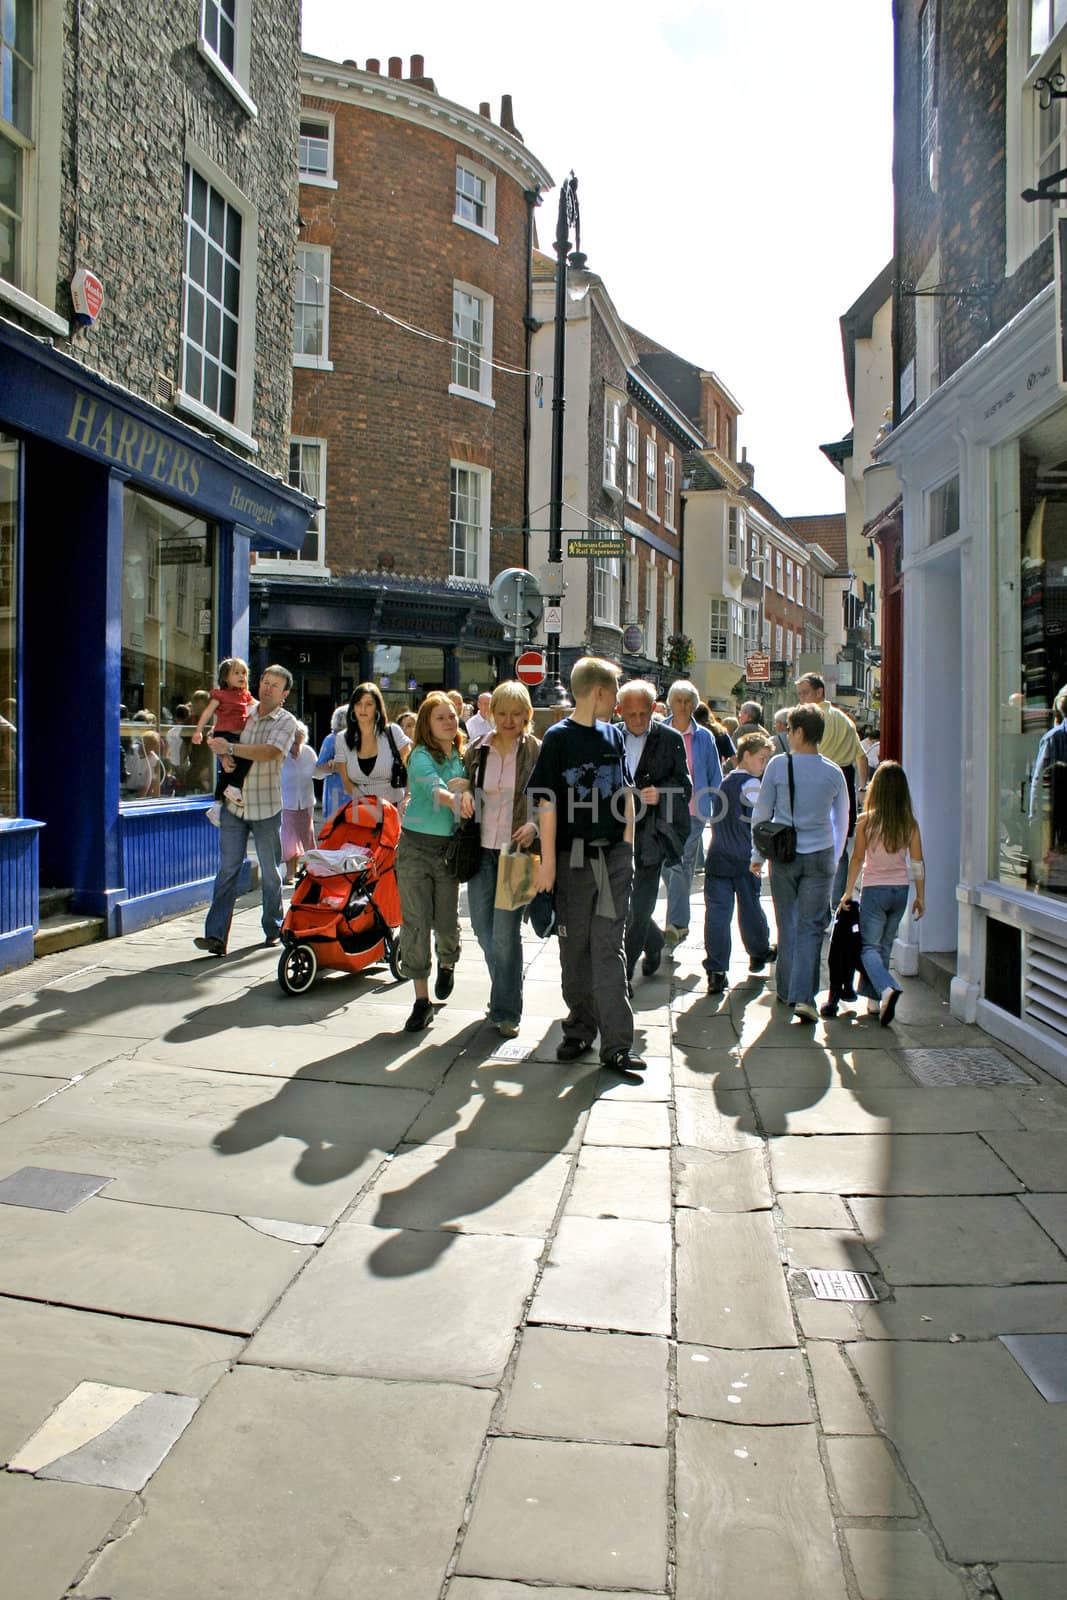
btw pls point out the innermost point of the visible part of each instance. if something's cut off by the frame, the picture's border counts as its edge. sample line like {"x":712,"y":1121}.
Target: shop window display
{"x":9,"y":463}
{"x":169,"y":592}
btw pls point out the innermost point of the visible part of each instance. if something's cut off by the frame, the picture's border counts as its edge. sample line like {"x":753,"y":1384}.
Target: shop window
{"x":1030,"y":801}
{"x":943,"y":511}
{"x":407,"y":674}
{"x":169,"y":601}
{"x":9,"y":480}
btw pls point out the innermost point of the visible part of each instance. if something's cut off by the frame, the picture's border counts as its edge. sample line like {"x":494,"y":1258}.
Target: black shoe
{"x":271,"y":940}
{"x":716,"y":982}
{"x":758,"y":963}
{"x":446,"y":978}
{"x":214,"y":947}
{"x":571,"y":1049}
{"x":888,"y":1007}
{"x":421,"y":1017}
{"x":623,"y":1061}
{"x":651,"y":964}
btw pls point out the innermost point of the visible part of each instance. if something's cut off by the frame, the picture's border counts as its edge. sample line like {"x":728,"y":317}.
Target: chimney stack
{"x":396,"y":66}
{"x":418,"y":67}
{"x":373,"y":64}
{"x":483,"y":110}
{"x":507,"y":119}
{"x":747,"y":469}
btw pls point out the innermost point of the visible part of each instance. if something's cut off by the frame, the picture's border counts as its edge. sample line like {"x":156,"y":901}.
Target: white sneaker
{"x":507,"y":1030}
{"x":213,"y":813}
{"x":809,"y":1013}
{"x":672,"y":936}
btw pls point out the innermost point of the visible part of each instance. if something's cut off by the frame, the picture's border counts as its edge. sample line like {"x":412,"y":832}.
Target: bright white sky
{"x":734,"y":161}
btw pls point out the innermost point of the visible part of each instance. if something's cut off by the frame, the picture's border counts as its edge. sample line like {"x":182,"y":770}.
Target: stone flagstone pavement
{"x":358,"y":1315}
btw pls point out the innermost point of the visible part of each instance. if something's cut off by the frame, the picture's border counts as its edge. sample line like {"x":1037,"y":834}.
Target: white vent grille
{"x":163,"y":390}
{"x":1045,"y":984}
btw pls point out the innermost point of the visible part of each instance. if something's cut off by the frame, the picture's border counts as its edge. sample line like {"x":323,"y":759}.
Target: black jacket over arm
{"x":664,"y":829}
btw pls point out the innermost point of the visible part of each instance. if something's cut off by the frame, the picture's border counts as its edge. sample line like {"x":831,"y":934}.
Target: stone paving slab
{"x":607,"y":1274}
{"x":829,"y":1249}
{"x":753,"y":1515}
{"x":209,"y":1141}
{"x":731,"y":1290}
{"x":867,"y":1480}
{"x":47,"y":1532}
{"x":46,"y":1351}
{"x":840,"y":1405}
{"x":500,"y":1589}
{"x":655,"y":1083}
{"x":958,"y":1241}
{"x":1037,"y":1158}
{"x":1050,"y":1210}
{"x":722,"y":1180}
{"x":814,"y":1211}
{"x":48,"y":1054}
{"x":901,"y":1564}
{"x":607,"y":1387}
{"x":437,"y":1306}
{"x":866,"y":1163}
{"x":146,"y":1261}
{"x":586,"y":1514}
{"x":768,"y":1387}
{"x":218,"y":1524}
{"x":1030,"y":1580}
{"x":722,"y":1120}
{"x":510,"y":1105}
{"x":935,"y":1313}
{"x":628,"y":1123}
{"x":115,"y":1438}
{"x":695,"y":1068}
{"x":469,"y":1190}
{"x":629,"y":1183}
{"x":1042,"y":1109}
{"x":884,"y":1111}
{"x":18,"y":1092}
{"x":947,"y":1404}
{"x":139,"y":1005}
{"x":859,"y":1068}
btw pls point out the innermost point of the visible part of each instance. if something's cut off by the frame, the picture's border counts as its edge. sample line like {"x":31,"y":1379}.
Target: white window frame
{"x":606,"y":584}
{"x":733,"y":536}
{"x":751,"y":630}
{"x":651,"y":476}
{"x":485,"y":478}
{"x":240,"y":430}
{"x":928,"y":332}
{"x":614,"y":405}
{"x":668,"y":601}
{"x":928,"y":129}
{"x":320,"y":362}
{"x":669,"y":480}
{"x":778,"y":642}
{"x":718,"y":628}
{"x":651,"y":607}
{"x":789,"y":580}
{"x":32,"y":289}
{"x":789,"y":645}
{"x":484,"y":392}
{"x":779,"y":576}
{"x":632,"y":462}
{"x":285,"y":561}
{"x":1028,"y":222}
{"x":237,"y":77}
{"x":324,"y":120}
{"x":488,"y":230}
{"x":633,"y":578}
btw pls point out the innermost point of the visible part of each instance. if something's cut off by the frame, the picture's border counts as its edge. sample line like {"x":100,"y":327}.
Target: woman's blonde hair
{"x":422,"y":735}
{"x":887,"y":809}
{"x":509,"y":696}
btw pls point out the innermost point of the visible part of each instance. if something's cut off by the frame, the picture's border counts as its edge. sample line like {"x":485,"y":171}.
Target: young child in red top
{"x":230,"y":705}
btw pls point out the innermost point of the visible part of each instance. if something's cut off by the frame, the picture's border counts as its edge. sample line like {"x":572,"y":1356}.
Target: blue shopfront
{"x":124,"y":545}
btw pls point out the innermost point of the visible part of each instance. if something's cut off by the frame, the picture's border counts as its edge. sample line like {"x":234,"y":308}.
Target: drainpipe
{"x":532,"y":198}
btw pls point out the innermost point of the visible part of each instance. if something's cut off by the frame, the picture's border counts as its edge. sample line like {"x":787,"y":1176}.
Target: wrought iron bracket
{"x":975,"y":298}
{"x":1052,"y":87}
{"x":1046,"y":186}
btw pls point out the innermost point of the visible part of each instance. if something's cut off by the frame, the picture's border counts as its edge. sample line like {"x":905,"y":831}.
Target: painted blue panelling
{"x":18,"y":874}
{"x":165,"y":846}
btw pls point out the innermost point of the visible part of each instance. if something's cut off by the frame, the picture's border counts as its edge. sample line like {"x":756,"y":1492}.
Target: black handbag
{"x":777,"y":841}
{"x":398,"y":778}
{"x":463,"y":852}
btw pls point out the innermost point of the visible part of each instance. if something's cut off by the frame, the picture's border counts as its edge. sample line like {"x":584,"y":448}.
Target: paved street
{"x":353,"y":1314}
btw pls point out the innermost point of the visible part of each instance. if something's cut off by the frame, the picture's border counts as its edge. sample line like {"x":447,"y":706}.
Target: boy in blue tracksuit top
{"x":728,"y":873}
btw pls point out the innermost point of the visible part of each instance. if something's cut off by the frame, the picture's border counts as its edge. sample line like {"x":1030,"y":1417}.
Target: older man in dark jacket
{"x":656,"y":757}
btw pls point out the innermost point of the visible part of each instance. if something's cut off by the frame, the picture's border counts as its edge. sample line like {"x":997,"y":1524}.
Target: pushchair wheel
{"x":297,"y":968}
{"x":392,"y":947}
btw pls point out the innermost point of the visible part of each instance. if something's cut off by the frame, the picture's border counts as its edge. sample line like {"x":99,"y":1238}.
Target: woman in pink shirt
{"x":499,"y":767}
{"x":889,"y":849}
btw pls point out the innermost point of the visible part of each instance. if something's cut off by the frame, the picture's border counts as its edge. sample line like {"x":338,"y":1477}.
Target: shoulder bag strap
{"x":792,"y":795}
{"x":483,"y":757}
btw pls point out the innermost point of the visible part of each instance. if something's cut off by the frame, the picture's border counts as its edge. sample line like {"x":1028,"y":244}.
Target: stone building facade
{"x":410,"y":410}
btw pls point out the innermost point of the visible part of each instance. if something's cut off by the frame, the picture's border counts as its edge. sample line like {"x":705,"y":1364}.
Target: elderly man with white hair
{"x":655,"y":756}
{"x":705,"y":769}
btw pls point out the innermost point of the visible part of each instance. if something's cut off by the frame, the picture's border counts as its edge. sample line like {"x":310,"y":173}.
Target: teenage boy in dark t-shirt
{"x":584,"y":795}
{"x":728,"y":875}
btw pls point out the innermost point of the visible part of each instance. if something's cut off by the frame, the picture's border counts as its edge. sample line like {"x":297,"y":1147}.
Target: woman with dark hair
{"x":371,"y":752}
{"x":429,"y":892}
{"x":804,"y":789}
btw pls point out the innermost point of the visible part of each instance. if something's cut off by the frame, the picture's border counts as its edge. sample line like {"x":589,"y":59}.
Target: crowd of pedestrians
{"x":616,"y":801}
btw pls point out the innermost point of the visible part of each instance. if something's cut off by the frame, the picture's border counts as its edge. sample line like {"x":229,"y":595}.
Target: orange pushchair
{"x":345,"y":910}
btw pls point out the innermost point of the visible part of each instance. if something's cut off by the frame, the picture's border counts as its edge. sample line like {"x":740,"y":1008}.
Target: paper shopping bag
{"x":515,"y":874}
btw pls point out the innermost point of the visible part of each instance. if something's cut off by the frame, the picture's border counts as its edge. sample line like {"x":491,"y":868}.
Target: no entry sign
{"x":530,"y":667}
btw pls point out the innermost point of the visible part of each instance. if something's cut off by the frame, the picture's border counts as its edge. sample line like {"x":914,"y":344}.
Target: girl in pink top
{"x":231,"y":705}
{"x":888,"y":849}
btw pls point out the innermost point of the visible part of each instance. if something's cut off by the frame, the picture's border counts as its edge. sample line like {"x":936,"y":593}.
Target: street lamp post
{"x":567,"y":218}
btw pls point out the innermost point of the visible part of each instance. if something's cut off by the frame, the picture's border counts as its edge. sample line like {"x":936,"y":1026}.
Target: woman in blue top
{"x":801,"y":887}
{"x":333,"y":790}
{"x":438,"y":795}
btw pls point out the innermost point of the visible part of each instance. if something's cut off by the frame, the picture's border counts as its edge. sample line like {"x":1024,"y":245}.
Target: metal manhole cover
{"x":49,"y":1189}
{"x":956,"y":1069}
{"x":840,"y":1285}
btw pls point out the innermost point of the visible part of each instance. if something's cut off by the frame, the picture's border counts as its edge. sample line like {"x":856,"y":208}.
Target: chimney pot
{"x":484,"y":111}
{"x":396,"y":66}
{"x":373,"y":64}
{"x":507,"y":118}
{"x":418,"y":67}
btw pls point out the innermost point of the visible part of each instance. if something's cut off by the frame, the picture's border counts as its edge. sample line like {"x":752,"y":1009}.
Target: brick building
{"x":416,"y":446}
{"x":980,"y":446}
{"x":139,"y":454}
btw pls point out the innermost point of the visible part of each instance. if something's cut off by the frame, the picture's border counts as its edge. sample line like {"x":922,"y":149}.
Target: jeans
{"x":801,"y":892}
{"x":678,"y":880}
{"x":719,"y":896}
{"x":233,"y":844}
{"x":500,"y":935}
{"x":591,"y":954}
{"x":643,"y":936}
{"x":881,"y":907}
